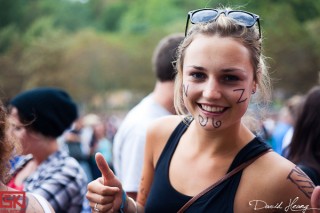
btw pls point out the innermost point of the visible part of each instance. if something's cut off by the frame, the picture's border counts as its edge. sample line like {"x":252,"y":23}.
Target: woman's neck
{"x":222,"y":142}
{"x":44,"y":150}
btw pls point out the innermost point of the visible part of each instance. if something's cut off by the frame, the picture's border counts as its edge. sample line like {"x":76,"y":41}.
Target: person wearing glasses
{"x":205,"y":159}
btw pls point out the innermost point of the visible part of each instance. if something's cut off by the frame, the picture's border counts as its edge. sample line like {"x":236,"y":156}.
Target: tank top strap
{"x":249,"y":151}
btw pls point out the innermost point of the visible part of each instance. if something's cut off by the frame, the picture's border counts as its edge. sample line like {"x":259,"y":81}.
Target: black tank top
{"x":163,"y":198}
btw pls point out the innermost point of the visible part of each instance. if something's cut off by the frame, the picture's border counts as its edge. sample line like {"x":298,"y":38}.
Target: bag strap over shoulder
{"x":228,"y":175}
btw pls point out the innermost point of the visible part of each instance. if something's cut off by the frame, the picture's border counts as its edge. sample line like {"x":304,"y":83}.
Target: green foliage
{"x":146,"y":15}
{"x":306,"y":9}
{"x":112,"y":16}
{"x":90,"y":47}
{"x":9,"y":35}
{"x":9,"y":11}
{"x":41,"y":28}
{"x":73,"y":17}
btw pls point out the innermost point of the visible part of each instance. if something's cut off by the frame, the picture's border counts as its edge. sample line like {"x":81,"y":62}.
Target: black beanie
{"x":49,"y":111}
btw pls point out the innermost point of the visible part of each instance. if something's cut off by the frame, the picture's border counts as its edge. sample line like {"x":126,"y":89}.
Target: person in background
{"x":284,"y":124}
{"x":294,"y":106}
{"x":205,"y":159}
{"x":129,"y":141}
{"x":304,"y":149}
{"x":73,"y":143}
{"x":8,"y":148}
{"x":102,"y":145}
{"x":87,"y":136}
{"x":37,"y":117}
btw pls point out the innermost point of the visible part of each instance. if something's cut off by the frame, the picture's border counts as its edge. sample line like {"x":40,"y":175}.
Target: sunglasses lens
{"x":244,"y":18}
{"x":203,"y":16}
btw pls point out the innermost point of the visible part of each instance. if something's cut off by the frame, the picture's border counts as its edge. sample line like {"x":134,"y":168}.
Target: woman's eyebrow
{"x":233,"y":69}
{"x":196,"y":67}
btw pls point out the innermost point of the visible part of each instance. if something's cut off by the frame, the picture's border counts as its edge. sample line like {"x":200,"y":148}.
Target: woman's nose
{"x":212,"y":90}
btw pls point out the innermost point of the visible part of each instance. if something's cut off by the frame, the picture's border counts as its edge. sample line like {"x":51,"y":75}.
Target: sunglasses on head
{"x":208,"y":15}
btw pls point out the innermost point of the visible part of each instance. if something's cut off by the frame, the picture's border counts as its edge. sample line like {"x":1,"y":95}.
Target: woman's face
{"x":217,"y":81}
{"x":18,"y":131}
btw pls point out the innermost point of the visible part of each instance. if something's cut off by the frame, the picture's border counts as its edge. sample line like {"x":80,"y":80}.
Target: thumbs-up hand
{"x":104,"y":193}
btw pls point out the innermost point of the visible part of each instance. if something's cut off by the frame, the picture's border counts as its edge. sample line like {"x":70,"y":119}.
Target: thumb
{"x":315,"y":199}
{"x":104,"y":168}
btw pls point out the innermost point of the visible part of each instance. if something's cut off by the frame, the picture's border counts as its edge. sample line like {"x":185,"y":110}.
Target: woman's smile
{"x":212,"y":109}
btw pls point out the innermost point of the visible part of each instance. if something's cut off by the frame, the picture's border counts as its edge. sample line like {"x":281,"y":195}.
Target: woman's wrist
{"x":128,"y":204}
{"x":134,"y":204}
{"x":124,"y":202}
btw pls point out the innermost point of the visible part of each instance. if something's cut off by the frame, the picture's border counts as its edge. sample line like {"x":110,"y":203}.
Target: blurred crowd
{"x":294,"y":131}
{"x":91,"y":133}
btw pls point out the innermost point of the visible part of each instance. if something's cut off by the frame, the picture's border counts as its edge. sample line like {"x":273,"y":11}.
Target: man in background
{"x":129,"y":141}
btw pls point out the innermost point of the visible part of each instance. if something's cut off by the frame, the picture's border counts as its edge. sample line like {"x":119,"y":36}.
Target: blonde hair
{"x":226,"y":27}
{"x":7,"y":147}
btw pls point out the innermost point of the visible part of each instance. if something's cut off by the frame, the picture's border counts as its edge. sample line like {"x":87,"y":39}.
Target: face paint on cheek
{"x":185,"y":90}
{"x":204,"y":121}
{"x":216,"y":124}
{"x":240,"y":100}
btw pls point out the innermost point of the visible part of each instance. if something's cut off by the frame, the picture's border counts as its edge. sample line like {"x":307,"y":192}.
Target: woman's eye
{"x":230,"y":78}
{"x":198,"y":75}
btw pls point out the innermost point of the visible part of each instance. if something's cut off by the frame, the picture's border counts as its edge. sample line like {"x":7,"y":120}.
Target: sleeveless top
{"x":164,"y":198}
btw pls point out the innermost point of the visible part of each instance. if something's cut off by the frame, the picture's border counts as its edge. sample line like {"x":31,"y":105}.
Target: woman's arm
{"x":276,"y":183}
{"x":315,"y":200}
{"x":156,"y":139}
{"x":148,"y":168}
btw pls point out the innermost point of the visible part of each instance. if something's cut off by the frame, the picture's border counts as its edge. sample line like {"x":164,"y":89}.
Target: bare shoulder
{"x":34,"y":206}
{"x":273,"y":181}
{"x":165,"y":123}
{"x":161,"y":128}
{"x":159,"y":132}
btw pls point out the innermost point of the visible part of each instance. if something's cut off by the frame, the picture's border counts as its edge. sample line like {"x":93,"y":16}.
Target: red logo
{"x":12,"y":201}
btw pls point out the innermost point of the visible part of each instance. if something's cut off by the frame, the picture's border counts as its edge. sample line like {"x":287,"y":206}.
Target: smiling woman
{"x":205,"y":159}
